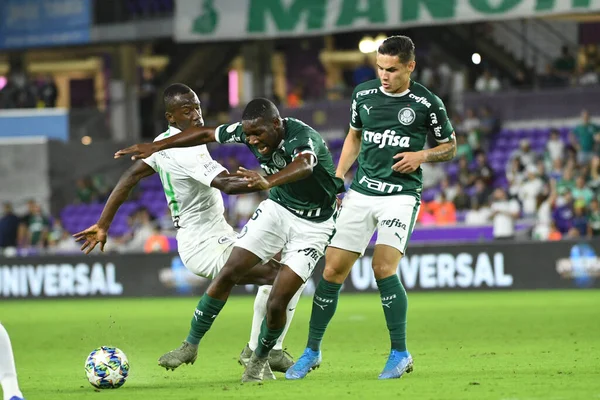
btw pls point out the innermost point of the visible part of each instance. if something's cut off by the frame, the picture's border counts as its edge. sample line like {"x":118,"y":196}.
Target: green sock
{"x":395,"y":307}
{"x":324,"y":304}
{"x":204,"y":315}
{"x":267,"y":339}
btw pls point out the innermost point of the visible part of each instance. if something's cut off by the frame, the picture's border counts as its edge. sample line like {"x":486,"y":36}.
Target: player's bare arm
{"x":409,"y":161}
{"x":97,"y":233}
{"x":193,"y":136}
{"x":233,"y":184}
{"x":300,"y":168}
{"x":349,"y":153}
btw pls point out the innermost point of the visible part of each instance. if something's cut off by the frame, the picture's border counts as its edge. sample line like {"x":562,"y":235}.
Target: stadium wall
{"x":496,"y":266}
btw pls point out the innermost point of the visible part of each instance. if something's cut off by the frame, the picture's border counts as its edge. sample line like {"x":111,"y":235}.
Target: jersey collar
{"x":173,"y":131}
{"x":393,"y":94}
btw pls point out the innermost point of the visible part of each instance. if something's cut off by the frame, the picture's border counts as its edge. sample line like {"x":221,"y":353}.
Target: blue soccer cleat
{"x":308,"y":361}
{"x":397,"y":364}
{"x":17,"y":398}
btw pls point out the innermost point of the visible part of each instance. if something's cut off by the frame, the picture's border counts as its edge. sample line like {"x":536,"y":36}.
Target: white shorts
{"x":272,"y":229}
{"x":209,"y":258}
{"x":394,"y":218}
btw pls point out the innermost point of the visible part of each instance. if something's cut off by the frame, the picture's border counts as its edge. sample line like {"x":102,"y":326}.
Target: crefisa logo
{"x":582,"y":266}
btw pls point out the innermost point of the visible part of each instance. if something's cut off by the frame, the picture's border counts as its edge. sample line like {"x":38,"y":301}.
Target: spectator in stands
{"x":47,"y":91}
{"x":524,"y":153}
{"x":555,"y":147}
{"x":556,"y":171}
{"x":470,"y":126}
{"x":481,"y":193}
{"x":433,"y":173}
{"x":504,"y":213}
{"x":157,"y":242}
{"x":364,"y":72}
{"x":594,"y":219}
{"x":567,"y":181}
{"x":478,"y":215}
{"x":60,"y":240}
{"x":461,"y":200}
{"x":514,"y":175}
{"x":563,"y":213}
{"x":9,"y":227}
{"x":530,"y":190}
{"x":594,"y":182}
{"x":580,"y":220}
{"x":544,"y":223}
{"x":142,"y":228}
{"x":294,"y":98}
{"x":465,"y":177}
{"x":449,"y":189}
{"x":482,"y":169}
{"x":85,"y":191}
{"x":34,"y":227}
{"x":550,"y":79}
{"x":490,"y":124}
{"x":443,"y":210}
{"x":487,"y":83}
{"x":587,"y":76}
{"x":582,"y":195}
{"x":463,"y":148}
{"x":564,"y":66}
{"x":587,"y":135}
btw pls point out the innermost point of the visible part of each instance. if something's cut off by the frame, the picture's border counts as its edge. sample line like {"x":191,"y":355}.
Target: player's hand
{"x":407,"y":162}
{"x":92,"y":236}
{"x":139,"y":151}
{"x":255,"y":180}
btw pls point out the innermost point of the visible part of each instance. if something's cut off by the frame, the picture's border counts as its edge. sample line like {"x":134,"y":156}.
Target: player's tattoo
{"x":443,"y":152}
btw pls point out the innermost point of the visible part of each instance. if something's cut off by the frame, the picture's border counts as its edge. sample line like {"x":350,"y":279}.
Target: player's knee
{"x":229,"y":275}
{"x":276,"y":306}
{"x":382,"y":269}
{"x":334,"y":275}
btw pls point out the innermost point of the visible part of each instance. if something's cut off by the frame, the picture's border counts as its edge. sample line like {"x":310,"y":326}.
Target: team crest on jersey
{"x":406,"y":116}
{"x":278,"y":160}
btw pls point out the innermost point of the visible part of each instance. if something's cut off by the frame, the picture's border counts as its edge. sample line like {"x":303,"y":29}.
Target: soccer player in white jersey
{"x":190,"y":179}
{"x":8,"y":372}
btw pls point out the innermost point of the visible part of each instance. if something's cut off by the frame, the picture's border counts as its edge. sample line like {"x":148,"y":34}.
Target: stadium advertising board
{"x":559,"y":265}
{"x":234,"y":19}
{"x":37,"y":23}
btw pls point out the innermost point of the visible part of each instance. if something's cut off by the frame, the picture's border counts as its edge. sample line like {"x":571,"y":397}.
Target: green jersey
{"x":313,"y":198}
{"x":392,"y":124}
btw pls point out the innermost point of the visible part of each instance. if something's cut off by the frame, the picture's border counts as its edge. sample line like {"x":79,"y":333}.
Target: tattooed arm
{"x":409,"y":161}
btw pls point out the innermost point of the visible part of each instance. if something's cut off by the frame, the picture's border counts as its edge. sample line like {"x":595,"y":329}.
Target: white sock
{"x":8,"y":372}
{"x":289,"y":315}
{"x":260,"y":311}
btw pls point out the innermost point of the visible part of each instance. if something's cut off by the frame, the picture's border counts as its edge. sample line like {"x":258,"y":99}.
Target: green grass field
{"x":502,"y":345}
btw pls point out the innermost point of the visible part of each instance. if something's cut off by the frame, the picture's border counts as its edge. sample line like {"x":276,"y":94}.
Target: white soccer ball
{"x":107,"y":368}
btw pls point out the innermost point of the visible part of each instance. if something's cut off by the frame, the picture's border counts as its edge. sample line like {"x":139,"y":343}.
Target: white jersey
{"x":196,"y":207}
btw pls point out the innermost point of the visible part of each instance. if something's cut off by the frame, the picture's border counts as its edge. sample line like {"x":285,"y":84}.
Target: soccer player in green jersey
{"x":297,"y":218}
{"x":390,"y":119}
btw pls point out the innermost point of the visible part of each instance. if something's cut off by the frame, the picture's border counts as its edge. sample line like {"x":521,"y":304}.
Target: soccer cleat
{"x":397,"y":364}
{"x":17,"y":398}
{"x":308,"y":361}
{"x":257,"y":370}
{"x":245,"y":356}
{"x":280,"y":360}
{"x":184,"y":354}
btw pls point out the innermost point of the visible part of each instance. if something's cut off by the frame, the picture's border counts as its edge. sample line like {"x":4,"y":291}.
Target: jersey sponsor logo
{"x":433,"y":117}
{"x":224,"y":239}
{"x":269,"y":170}
{"x":210,"y":167}
{"x":437,"y":131}
{"x":278,"y":160}
{"x":407,"y":116}
{"x":420,"y":99}
{"x":354,"y":112}
{"x":366,"y":92}
{"x":379,"y":186}
{"x":231,"y":128}
{"x":393,"y":223}
{"x":311,"y":253}
{"x":387,"y":138}
{"x":368,"y":109}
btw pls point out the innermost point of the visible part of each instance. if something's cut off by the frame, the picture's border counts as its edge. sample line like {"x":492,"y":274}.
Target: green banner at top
{"x":207,"y":20}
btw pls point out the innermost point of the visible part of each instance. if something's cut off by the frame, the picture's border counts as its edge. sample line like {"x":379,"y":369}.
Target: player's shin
{"x":395,"y":307}
{"x":289,"y":315}
{"x":260,"y":311}
{"x":324,"y":304}
{"x":207,"y":310}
